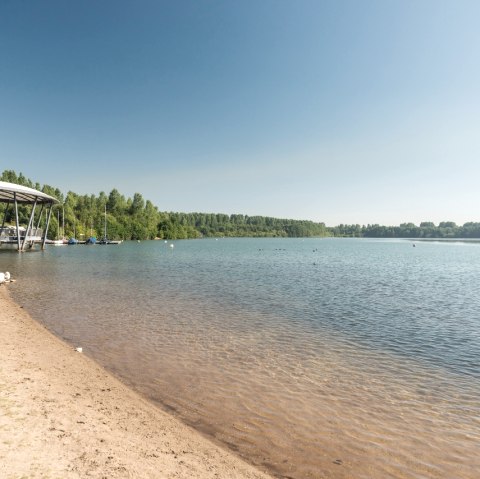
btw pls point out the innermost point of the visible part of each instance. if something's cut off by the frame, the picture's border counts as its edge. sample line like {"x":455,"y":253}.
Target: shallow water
{"x":311,"y":358}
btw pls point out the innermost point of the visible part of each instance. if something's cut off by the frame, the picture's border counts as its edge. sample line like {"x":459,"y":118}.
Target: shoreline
{"x":64,"y":416}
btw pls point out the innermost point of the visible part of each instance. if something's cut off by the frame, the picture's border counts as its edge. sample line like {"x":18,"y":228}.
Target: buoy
{"x":172,"y":245}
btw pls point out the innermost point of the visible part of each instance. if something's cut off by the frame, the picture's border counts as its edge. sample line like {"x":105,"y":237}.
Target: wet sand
{"x":63,"y":416}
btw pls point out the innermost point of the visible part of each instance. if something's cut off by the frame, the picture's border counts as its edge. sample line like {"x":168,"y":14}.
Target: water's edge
{"x":335,"y":358}
{"x":163,"y":406}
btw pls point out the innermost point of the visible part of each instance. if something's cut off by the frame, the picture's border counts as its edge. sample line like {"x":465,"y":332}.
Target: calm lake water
{"x":336,"y":358}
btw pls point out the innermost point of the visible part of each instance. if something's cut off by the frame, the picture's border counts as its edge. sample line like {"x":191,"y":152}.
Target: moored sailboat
{"x":60,"y":241}
{"x":105,"y":239}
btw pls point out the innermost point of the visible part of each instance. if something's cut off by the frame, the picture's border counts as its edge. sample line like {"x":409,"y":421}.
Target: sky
{"x":336,"y":111}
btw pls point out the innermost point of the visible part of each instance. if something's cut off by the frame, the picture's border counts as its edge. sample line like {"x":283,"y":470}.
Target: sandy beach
{"x":63,"y":416}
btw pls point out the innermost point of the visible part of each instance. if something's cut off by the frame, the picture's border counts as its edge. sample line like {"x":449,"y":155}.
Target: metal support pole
{"x":5,"y":214}
{"x":7,"y":204}
{"x":16,"y":219}
{"x":39,"y":219}
{"x":30,"y":222}
{"x":46,"y":226}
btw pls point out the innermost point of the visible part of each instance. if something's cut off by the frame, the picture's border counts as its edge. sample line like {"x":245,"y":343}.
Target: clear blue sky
{"x":335,"y":111}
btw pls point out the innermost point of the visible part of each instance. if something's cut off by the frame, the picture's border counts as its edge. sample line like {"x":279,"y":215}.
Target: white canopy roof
{"x":23,"y":193}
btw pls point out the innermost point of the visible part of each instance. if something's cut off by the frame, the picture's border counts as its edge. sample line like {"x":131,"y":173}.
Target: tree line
{"x":138,"y":219}
{"x":426,"y":229}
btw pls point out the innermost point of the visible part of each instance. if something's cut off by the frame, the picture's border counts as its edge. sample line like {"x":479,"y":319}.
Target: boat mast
{"x":105,"y":232}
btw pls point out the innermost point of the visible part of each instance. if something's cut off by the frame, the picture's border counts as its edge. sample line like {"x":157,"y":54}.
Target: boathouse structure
{"x":19,"y":237}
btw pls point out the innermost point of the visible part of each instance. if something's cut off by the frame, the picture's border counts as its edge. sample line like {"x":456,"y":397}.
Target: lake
{"x":311,"y":358}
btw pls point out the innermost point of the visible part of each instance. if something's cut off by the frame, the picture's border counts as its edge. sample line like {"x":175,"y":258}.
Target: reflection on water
{"x":312,"y":358}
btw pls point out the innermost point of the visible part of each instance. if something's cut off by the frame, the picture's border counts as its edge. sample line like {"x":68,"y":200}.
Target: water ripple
{"x":315,"y":358}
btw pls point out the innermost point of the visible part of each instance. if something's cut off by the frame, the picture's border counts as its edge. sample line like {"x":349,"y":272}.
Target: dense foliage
{"x":135,"y":218}
{"x":427,"y":229}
